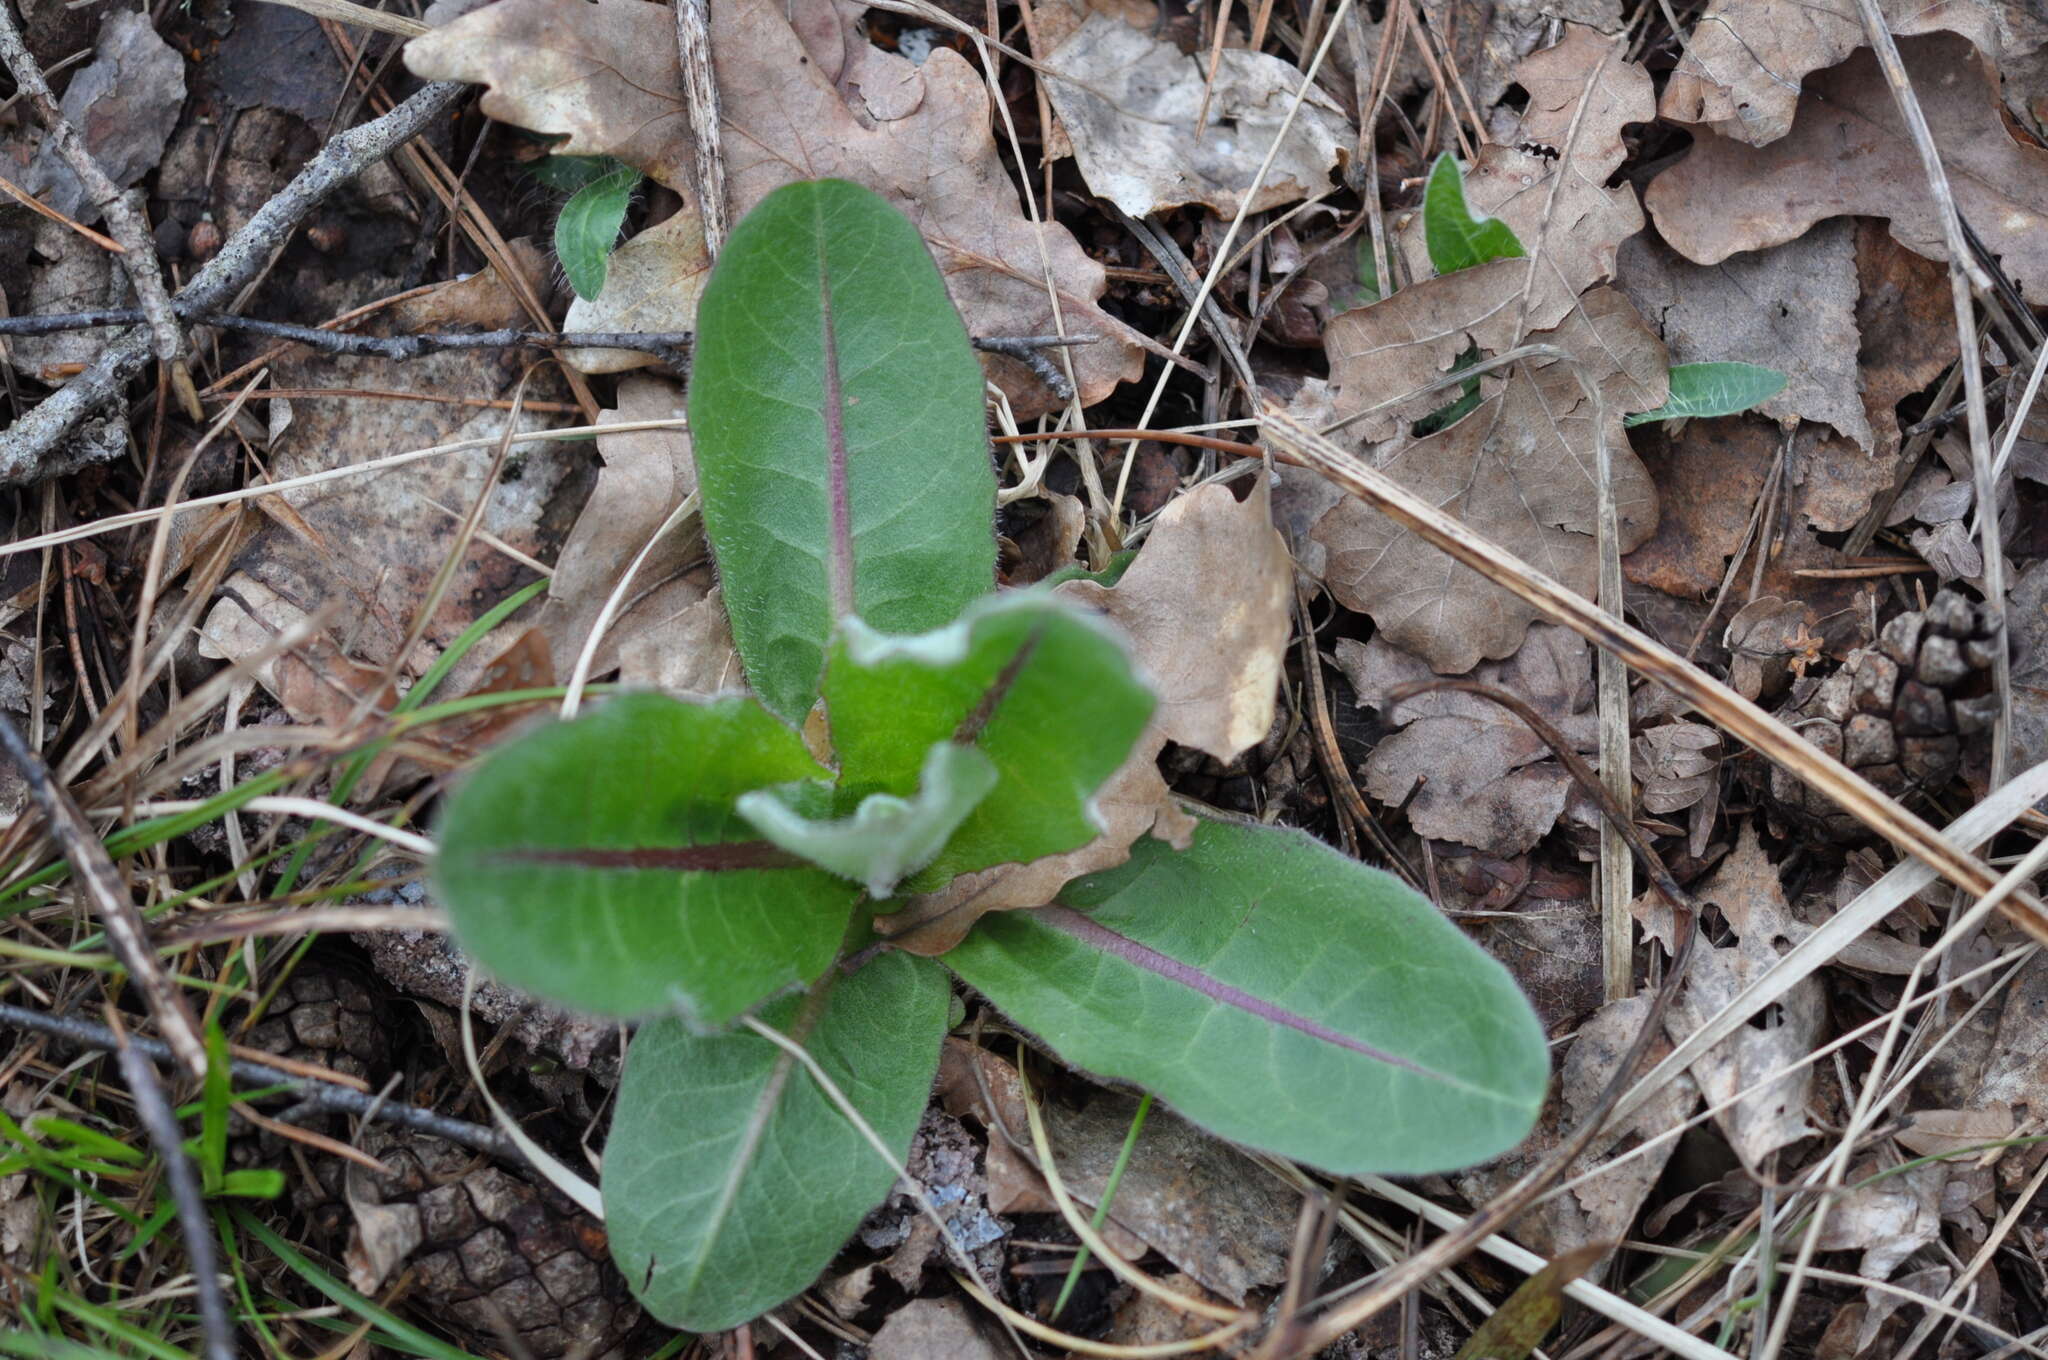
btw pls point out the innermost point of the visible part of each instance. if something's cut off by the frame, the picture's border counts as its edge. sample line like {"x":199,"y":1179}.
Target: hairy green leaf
{"x":1038,"y":685}
{"x":601,"y":863}
{"x":730,"y":1179}
{"x":1456,"y":239}
{"x":589,"y":225}
{"x":841,"y":445}
{"x":1280,"y":995}
{"x":1719,"y":389}
{"x":887,"y":836}
{"x":567,"y":174}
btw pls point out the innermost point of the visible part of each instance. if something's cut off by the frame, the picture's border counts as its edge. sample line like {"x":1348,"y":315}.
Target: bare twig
{"x":310,"y":1093}
{"x":700,"y":101}
{"x":154,"y":1110}
{"x":671,"y":347}
{"x":127,"y":934}
{"x":1771,"y":738}
{"x":124,"y":219}
{"x":27,"y":447}
{"x":1029,"y":350}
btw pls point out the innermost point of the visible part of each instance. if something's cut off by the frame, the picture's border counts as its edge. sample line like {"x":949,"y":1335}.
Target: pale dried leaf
{"x":1888,"y":1219}
{"x":932,"y":1329}
{"x":1477,"y":774}
{"x":605,"y":75}
{"x":1741,"y":70}
{"x":651,"y":283}
{"x":1519,"y":470}
{"x":1129,"y":102}
{"x":124,"y":104}
{"x":1851,"y":154}
{"x":1792,"y":308}
{"x":1936,"y":1133}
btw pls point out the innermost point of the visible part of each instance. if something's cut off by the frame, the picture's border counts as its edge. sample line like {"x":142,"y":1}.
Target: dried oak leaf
{"x":1851,"y":154}
{"x":1413,"y":337}
{"x":1477,"y":774}
{"x":1792,"y":307}
{"x":1205,"y":609}
{"x":1742,"y":66}
{"x":1520,"y":470}
{"x":1708,"y":475}
{"x":1548,"y":179}
{"x":604,"y":76}
{"x":1129,"y":103}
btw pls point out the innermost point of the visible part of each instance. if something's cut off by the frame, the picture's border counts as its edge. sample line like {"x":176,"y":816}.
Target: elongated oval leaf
{"x":1280,"y":995}
{"x":601,"y":863}
{"x":1717,"y":389}
{"x":1456,"y":239}
{"x":841,"y":444}
{"x":886,"y":836}
{"x":1037,"y":684}
{"x":589,"y":225}
{"x":730,"y":1179}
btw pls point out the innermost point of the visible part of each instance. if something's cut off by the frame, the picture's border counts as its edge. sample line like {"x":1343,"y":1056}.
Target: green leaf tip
{"x":730,"y":1179}
{"x":1041,"y":687}
{"x":602,"y":863}
{"x":1715,"y":389}
{"x":887,"y":837}
{"x":840,"y":434}
{"x":1456,"y":239}
{"x":588,"y":227}
{"x":1319,"y":1009}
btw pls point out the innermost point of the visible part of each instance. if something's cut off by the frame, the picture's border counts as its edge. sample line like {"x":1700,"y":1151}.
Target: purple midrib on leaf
{"x":676,"y":858}
{"x":1098,"y":936}
{"x":839,"y":570}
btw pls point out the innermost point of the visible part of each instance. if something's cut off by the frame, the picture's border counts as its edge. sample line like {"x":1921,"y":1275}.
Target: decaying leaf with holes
{"x":1548,"y":181}
{"x":1520,"y":469}
{"x":605,"y":76}
{"x":1740,"y":72}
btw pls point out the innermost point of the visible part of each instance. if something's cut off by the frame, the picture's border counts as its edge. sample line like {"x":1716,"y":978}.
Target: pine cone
{"x":489,"y":1253}
{"x":1897,"y":713}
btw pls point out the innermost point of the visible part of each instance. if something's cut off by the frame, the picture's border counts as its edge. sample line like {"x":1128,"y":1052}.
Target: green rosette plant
{"x":684,"y":865}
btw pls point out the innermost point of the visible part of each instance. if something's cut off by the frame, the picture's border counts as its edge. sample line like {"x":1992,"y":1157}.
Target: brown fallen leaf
{"x":1936,"y":1133}
{"x":933,"y":1329}
{"x":1477,"y":774}
{"x":604,"y":75}
{"x":1129,"y":102}
{"x":1850,"y":154}
{"x":1206,"y":610}
{"x":1741,"y":69}
{"x":1547,"y":178}
{"x":651,"y":283}
{"x":1413,"y":337}
{"x":1792,"y":308}
{"x":1520,"y":470}
{"x":1708,"y":474}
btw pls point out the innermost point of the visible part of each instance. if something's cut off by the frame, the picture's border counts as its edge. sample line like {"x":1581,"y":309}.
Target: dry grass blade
{"x":104,"y":887}
{"x":1744,"y":719}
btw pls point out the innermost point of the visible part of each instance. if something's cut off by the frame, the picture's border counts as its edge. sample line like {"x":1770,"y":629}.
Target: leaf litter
{"x":1727,"y":518}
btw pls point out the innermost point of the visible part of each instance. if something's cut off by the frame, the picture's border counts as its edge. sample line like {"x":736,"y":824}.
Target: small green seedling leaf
{"x":840,"y":438}
{"x":589,"y":225}
{"x":1278,"y":994}
{"x":730,"y":1179}
{"x":1456,"y":239}
{"x":1036,"y":684}
{"x":602,"y":864}
{"x":1719,"y":389}
{"x":887,"y":836}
